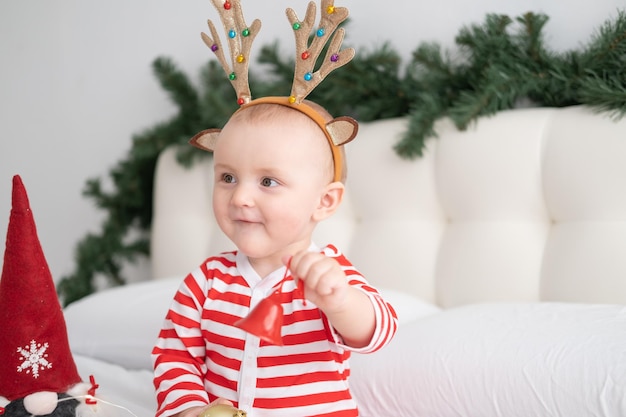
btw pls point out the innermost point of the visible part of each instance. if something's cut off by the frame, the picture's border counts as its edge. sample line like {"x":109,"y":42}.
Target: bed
{"x":505,"y":258}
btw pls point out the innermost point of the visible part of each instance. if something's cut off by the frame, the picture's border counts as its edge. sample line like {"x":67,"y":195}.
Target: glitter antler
{"x":240,"y":38}
{"x":305,"y":78}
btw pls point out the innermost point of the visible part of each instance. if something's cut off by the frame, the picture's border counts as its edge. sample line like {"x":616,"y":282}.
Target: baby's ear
{"x":330,"y":201}
{"x":206,"y":139}
{"x":342,"y":129}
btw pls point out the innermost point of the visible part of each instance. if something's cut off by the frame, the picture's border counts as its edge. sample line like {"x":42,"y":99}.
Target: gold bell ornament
{"x":222,"y":410}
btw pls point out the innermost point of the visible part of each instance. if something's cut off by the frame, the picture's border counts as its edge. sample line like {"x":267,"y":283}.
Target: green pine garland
{"x":501,"y":62}
{"x":501,"y":66}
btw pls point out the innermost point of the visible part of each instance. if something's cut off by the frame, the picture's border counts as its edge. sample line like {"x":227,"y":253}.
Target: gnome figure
{"x":38,"y":376}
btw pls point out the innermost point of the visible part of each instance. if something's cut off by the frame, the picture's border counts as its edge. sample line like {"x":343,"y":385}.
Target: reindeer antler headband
{"x":338,"y":131}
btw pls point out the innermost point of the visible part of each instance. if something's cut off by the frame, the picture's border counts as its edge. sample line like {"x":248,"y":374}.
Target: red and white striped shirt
{"x":200,"y":355}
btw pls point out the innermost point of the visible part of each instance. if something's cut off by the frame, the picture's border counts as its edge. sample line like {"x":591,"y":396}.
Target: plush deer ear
{"x":342,"y":129}
{"x":206,"y":139}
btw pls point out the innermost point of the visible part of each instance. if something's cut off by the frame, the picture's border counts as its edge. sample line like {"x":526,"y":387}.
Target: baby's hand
{"x":325,"y":282}
{"x":349,"y":309}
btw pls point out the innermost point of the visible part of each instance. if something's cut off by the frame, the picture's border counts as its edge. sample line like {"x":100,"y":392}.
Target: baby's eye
{"x":268,"y":182}
{"x":228,"y":178}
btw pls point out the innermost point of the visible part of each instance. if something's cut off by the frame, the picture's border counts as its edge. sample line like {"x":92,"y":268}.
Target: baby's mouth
{"x":246,"y":221}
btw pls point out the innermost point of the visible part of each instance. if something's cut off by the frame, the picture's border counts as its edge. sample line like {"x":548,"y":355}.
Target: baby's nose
{"x":242,"y":196}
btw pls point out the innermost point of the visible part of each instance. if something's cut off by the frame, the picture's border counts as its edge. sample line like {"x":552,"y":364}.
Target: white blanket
{"x":121,"y":392}
{"x":480,"y":360}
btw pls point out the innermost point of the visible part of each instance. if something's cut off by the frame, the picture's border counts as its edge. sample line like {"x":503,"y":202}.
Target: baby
{"x":275,"y":180}
{"x":279,"y":170}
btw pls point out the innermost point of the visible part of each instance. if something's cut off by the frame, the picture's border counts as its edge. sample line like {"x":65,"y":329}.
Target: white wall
{"x":76,"y":82}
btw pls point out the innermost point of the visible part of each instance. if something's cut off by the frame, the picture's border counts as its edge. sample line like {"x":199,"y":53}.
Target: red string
{"x":299,"y":291}
{"x":92,"y":391}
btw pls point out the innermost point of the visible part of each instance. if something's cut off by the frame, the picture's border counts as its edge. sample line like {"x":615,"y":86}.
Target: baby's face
{"x":270,"y":177}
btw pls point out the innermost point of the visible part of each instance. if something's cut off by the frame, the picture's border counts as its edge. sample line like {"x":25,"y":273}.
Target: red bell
{"x":265,"y":320}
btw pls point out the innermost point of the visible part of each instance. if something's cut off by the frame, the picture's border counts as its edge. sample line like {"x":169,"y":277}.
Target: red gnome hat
{"x":34,"y":348}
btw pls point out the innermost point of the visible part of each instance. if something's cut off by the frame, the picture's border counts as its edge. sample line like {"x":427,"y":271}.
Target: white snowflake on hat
{"x":39,"y":375}
{"x":34,"y":358}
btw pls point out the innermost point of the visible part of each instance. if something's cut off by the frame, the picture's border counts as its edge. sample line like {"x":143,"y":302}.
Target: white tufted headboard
{"x":526,"y":205}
